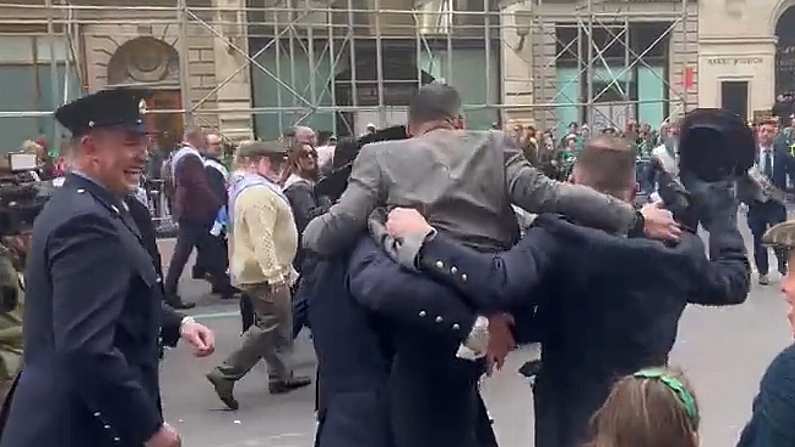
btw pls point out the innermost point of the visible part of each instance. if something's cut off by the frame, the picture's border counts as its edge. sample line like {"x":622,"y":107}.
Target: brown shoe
{"x":285,"y":386}
{"x":224,"y":388}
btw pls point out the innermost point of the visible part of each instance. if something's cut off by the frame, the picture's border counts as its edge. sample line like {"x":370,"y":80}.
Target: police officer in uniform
{"x":93,"y":305}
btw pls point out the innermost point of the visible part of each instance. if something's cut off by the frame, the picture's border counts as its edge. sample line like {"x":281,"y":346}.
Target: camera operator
{"x":19,"y":204}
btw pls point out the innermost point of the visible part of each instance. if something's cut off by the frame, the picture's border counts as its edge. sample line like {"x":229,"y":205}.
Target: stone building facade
{"x":100,"y":44}
{"x":746,"y":53}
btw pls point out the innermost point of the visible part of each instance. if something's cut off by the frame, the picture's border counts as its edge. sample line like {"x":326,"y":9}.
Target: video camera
{"x":22,"y":196}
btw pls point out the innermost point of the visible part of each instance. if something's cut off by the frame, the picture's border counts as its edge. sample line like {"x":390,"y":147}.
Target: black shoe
{"x":176,"y":302}
{"x":285,"y":386}
{"x":224,"y":388}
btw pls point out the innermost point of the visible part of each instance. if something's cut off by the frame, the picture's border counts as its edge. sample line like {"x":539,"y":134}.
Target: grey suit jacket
{"x":463,"y":182}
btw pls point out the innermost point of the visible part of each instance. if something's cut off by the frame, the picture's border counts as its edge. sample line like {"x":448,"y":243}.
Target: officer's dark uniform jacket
{"x":353,"y":362}
{"x":433,"y":399}
{"x":608,"y":305}
{"x":92,"y":323}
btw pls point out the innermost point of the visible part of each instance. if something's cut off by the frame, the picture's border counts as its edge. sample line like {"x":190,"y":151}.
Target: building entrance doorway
{"x":734,"y":97}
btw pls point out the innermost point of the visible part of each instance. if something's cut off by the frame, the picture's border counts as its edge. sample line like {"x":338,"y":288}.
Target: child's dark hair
{"x":651,"y":408}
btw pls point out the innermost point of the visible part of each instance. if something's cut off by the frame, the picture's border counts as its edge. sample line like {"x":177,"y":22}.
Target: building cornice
{"x":734,"y":40}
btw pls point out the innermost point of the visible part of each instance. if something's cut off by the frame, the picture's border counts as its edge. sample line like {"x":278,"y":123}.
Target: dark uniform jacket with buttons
{"x":171,"y":319}
{"x":608,"y":305}
{"x":92,"y":323}
{"x":354,"y":360}
{"x":433,"y":399}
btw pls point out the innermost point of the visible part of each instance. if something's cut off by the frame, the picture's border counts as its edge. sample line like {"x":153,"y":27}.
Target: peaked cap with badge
{"x":107,"y":108}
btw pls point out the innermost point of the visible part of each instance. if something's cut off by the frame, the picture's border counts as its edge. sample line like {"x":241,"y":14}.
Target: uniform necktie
{"x":769,"y":164}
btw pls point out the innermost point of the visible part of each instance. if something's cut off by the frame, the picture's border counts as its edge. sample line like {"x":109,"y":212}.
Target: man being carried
{"x":608,"y":305}
{"x":464,"y":182}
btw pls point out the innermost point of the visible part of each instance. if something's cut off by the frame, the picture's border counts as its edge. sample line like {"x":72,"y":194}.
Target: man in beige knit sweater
{"x":262,"y":245}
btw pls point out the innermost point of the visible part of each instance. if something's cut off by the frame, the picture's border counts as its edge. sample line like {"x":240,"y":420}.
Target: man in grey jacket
{"x":464,"y":182}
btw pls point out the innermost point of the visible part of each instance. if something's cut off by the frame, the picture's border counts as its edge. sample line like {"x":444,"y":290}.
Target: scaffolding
{"x":338,"y":64}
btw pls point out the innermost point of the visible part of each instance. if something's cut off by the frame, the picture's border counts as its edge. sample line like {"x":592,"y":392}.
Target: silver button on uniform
{"x":454,"y":270}
{"x":439,"y":319}
{"x":456,"y":327}
{"x":439,"y":265}
{"x":423,"y":313}
{"x":464,"y":277}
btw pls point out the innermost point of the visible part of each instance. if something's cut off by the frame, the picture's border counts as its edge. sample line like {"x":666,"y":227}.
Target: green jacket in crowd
{"x":11,"y":302}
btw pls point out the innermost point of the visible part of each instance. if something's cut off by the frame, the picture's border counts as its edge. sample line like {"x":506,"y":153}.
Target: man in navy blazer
{"x":775,"y":163}
{"x":94,"y":312}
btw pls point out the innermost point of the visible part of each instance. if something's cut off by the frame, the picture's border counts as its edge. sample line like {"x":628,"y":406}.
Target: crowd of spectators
{"x":555,"y":154}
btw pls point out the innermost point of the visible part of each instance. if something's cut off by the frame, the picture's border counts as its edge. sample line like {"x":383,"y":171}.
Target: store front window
{"x":621,"y":91}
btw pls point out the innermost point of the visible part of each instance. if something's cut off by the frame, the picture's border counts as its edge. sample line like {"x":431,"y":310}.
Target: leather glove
{"x":715,"y":202}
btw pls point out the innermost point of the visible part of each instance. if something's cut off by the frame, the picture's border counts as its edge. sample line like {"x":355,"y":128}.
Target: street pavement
{"x":724,"y":352}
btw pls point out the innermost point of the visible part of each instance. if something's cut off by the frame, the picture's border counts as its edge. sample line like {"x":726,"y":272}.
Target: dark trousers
{"x":189,"y":235}
{"x":213,"y":258}
{"x":563,"y":407}
{"x":435,"y":400}
{"x":762,"y":216}
{"x":300,"y":309}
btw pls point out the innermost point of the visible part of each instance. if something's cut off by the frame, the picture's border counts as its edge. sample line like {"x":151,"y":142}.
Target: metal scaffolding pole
{"x":436,"y":32}
{"x":450,"y":30}
{"x":184,"y":61}
{"x":418,"y":49}
{"x":487,"y":46}
{"x":379,"y":64}
{"x":684,"y":54}
{"x":352,"y":54}
{"x":291,"y":49}
{"x":310,"y":37}
{"x":579,"y":72}
{"x":279,"y":101}
{"x":53,"y":71}
{"x":333,"y":71}
{"x":628,"y":83}
{"x":589,"y":73}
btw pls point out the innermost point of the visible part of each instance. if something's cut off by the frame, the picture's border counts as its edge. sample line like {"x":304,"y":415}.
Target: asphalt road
{"x":723,"y":351}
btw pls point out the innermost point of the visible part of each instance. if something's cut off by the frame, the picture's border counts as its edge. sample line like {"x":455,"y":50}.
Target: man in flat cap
{"x":94,"y":312}
{"x":262,"y":245}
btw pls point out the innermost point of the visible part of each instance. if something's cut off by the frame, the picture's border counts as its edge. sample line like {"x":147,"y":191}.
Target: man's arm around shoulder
{"x":407,"y":298}
{"x":491,"y":281}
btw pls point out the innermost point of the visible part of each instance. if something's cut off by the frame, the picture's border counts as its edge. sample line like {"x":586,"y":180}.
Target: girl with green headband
{"x":651,"y":408}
